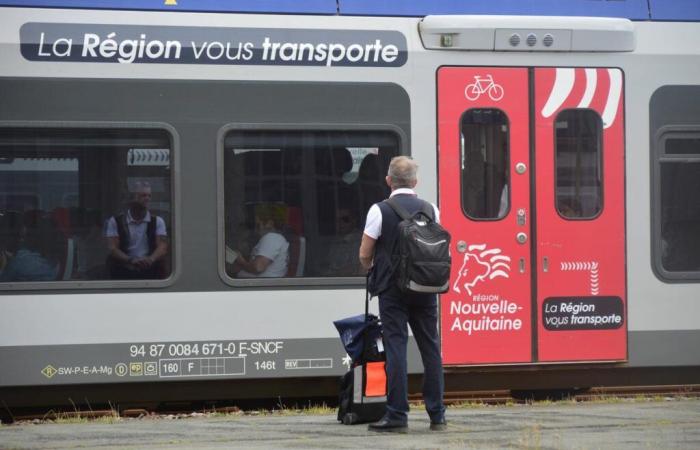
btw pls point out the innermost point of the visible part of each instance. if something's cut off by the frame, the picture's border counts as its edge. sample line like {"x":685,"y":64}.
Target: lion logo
{"x":481,"y":264}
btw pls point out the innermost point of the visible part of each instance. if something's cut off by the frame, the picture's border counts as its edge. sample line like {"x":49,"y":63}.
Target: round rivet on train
{"x":461,"y":246}
{"x":520,"y":168}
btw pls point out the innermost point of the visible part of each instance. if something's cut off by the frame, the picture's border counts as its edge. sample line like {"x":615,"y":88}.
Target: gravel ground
{"x":653,"y":424}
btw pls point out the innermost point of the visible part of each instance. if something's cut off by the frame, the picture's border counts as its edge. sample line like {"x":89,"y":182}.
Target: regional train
{"x":561,"y":142}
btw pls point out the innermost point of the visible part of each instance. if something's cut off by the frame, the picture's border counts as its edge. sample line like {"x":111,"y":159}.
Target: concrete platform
{"x":659,"y":424}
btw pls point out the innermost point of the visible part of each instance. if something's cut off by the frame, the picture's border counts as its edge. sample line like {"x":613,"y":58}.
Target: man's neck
{"x":138,"y":214}
{"x":402,"y":191}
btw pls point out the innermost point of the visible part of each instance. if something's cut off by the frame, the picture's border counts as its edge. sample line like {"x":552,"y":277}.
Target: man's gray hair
{"x":402,"y":170}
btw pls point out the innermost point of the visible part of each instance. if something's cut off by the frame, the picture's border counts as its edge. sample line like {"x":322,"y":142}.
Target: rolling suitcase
{"x":362,"y":396}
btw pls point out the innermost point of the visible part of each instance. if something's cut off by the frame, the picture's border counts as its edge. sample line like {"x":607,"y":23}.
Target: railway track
{"x":486,"y":397}
{"x":499,"y":397}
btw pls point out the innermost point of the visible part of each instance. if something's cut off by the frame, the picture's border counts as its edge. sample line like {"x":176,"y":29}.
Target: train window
{"x":295,"y":201}
{"x":683,"y":146}
{"x":680,"y":204}
{"x":674,"y":129}
{"x":578,"y":154}
{"x":68,"y":195}
{"x":485,"y":164}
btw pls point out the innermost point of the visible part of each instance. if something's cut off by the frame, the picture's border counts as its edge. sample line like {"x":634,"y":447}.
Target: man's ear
{"x":388,"y":180}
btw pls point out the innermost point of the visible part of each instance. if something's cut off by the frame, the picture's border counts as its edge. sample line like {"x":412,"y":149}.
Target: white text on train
{"x":330,"y":53}
{"x":127,"y":50}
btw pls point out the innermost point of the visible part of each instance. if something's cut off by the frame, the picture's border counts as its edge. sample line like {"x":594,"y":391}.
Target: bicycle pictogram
{"x":484,"y":85}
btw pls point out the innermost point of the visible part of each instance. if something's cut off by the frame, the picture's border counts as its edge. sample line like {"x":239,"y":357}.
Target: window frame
{"x":175,"y":238}
{"x":354,"y":281}
{"x":601,"y":160}
{"x":659,"y":155}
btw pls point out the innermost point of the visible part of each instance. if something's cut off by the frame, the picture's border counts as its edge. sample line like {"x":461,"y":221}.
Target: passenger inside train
{"x":341,"y":258}
{"x":269,"y":258}
{"x":326,"y":180}
{"x":39,"y":250}
{"x":136,"y":239}
{"x":68,"y":178}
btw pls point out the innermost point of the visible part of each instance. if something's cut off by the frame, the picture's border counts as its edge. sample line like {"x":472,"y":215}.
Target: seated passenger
{"x":137,"y":240}
{"x":341,"y":256}
{"x":270,"y":256}
{"x":35,"y":259}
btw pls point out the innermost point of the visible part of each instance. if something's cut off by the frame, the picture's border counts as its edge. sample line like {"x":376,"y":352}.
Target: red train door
{"x":483,"y":130}
{"x":579,"y":148}
{"x":538,"y":257}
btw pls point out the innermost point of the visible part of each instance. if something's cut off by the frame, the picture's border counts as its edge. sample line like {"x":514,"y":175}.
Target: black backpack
{"x":422,"y":251}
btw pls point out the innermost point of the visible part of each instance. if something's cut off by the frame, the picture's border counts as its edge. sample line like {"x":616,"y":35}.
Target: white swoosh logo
{"x":610,"y":110}
{"x":563,"y":83}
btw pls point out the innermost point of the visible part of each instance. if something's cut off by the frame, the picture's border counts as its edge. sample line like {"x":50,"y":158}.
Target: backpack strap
{"x":151,"y":233}
{"x":427,"y":209}
{"x":398,"y":209}
{"x":123,"y":232}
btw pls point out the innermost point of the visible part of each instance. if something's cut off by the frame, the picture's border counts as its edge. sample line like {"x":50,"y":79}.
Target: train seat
{"x":297,"y":255}
{"x":294,"y":231}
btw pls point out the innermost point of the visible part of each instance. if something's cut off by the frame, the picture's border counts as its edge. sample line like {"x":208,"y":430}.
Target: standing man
{"x":136,"y":239}
{"x":397,"y":308}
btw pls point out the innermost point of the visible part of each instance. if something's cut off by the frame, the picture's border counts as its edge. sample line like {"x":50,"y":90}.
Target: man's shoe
{"x":439,"y":425}
{"x":388,"y":426}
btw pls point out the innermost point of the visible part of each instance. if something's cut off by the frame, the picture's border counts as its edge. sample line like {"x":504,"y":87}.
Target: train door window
{"x":680,"y":203}
{"x":578,"y":137}
{"x":61,"y":187}
{"x":485,"y":163}
{"x":295,"y":201}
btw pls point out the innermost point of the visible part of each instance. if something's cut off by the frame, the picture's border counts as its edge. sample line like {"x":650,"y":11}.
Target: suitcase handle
{"x":367,"y":297}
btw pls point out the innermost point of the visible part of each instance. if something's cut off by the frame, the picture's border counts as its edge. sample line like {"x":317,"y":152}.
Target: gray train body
{"x":198,"y":323}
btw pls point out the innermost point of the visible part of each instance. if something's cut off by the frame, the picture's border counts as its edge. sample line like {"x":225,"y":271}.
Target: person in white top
{"x":137,"y":247}
{"x":373,"y":223}
{"x":270,"y":256}
{"x":399,"y":309}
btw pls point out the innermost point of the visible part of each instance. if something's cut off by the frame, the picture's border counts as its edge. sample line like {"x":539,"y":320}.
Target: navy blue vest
{"x":382,"y":276}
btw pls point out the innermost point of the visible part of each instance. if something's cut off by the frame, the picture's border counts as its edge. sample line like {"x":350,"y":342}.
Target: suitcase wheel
{"x":349,"y":418}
